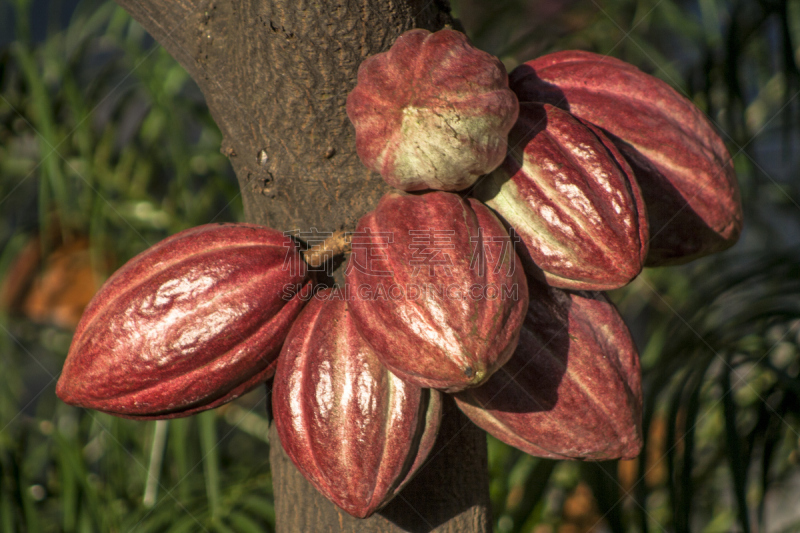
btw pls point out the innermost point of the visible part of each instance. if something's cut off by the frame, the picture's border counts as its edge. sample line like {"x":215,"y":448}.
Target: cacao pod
{"x":433,"y":112}
{"x":353,"y":429}
{"x":682,"y":166}
{"x":573,"y":200}
{"x":436,"y":288}
{"x":188,"y":324}
{"x":572,"y":390}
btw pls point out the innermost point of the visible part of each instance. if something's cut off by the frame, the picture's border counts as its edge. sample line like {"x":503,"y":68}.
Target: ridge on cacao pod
{"x":433,"y":112}
{"x":188,"y":324}
{"x":451,"y":338}
{"x":571,"y":197}
{"x":572,"y":389}
{"x":683,"y":167}
{"x":357,"y":432}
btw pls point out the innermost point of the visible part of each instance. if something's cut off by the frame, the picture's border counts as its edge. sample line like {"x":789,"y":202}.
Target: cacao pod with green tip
{"x":682,"y":165}
{"x":433,"y":112}
{"x":572,"y":199}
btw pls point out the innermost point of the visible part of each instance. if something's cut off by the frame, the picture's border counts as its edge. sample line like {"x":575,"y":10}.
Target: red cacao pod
{"x":572,"y":390}
{"x":188,"y":324}
{"x":443,"y":300}
{"x":573,"y":200}
{"x":353,"y":429}
{"x":433,"y":112}
{"x":682,"y":166}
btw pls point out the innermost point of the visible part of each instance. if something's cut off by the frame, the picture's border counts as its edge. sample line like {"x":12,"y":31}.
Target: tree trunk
{"x":276,"y":76}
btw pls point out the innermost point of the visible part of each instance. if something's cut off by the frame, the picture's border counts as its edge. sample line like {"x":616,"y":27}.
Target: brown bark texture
{"x":276,"y":75}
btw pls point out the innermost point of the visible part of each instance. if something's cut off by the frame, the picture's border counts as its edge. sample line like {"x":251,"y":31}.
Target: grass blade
{"x":733,"y":441}
{"x":208,"y":444}
{"x":156,"y":460}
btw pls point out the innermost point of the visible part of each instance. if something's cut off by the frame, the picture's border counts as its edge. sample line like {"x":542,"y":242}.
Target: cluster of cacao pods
{"x":519,"y":198}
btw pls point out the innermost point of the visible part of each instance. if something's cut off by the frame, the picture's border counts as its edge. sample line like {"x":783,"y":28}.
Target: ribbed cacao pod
{"x":189,"y":324}
{"x":573,"y":200}
{"x":353,"y":429}
{"x":433,"y":112}
{"x":572,"y":390}
{"x":436,"y":288}
{"x":682,"y":166}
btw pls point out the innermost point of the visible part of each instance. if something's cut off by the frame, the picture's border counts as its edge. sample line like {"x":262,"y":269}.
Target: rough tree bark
{"x":275,"y":75}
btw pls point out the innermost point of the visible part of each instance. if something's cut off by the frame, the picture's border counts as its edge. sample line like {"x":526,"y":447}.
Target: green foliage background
{"x":103,"y":135}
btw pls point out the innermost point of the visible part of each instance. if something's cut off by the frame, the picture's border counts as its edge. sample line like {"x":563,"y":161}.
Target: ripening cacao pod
{"x":353,"y":429}
{"x":572,"y":390}
{"x":682,"y":166}
{"x":190,"y":323}
{"x":433,"y":112}
{"x":436,"y":288}
{"x":572,"y":199}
